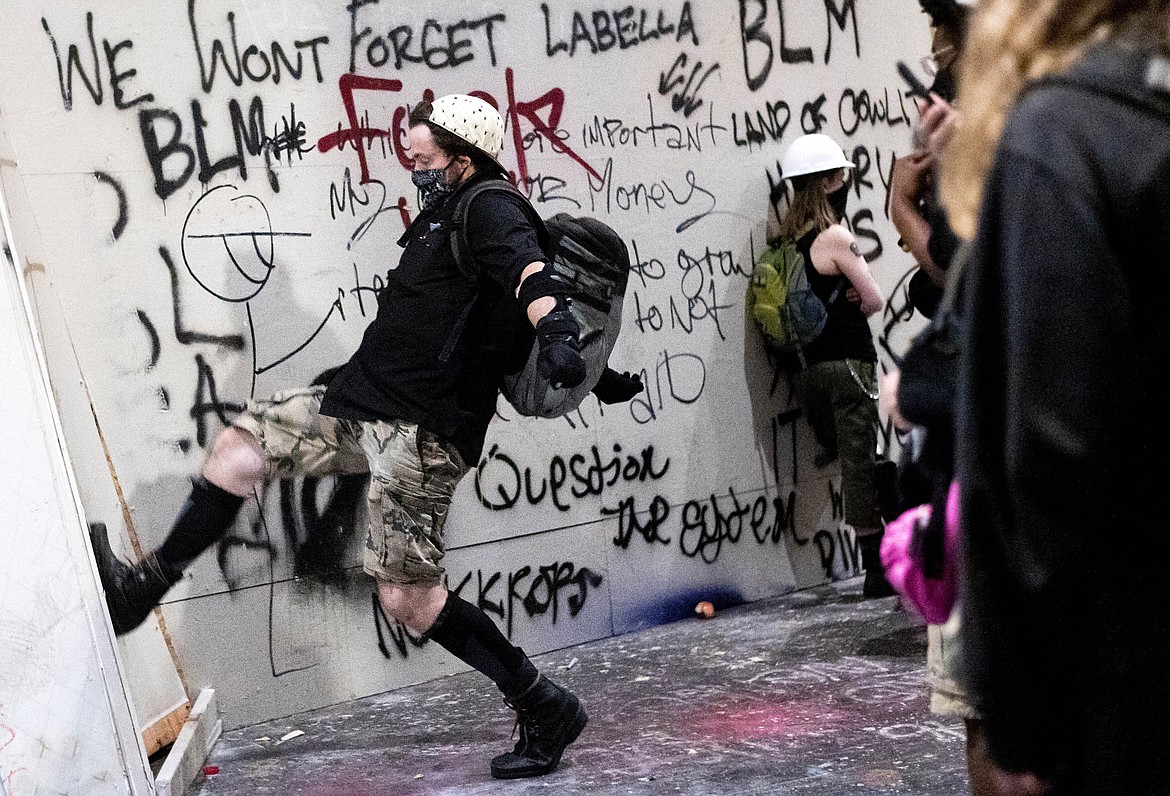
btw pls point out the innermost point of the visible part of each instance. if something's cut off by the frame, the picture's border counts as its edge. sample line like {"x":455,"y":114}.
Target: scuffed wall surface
{"x":219,"y":187}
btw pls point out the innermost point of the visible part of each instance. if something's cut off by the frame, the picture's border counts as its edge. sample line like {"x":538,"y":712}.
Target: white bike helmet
{"x":471,"y":119}
{"x":813,"y":153}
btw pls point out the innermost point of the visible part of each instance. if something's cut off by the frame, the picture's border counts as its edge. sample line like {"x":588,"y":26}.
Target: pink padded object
{"x":934,"y":599}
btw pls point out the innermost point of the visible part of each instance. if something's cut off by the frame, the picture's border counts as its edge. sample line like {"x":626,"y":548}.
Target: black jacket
{"x":422,"y":359}
{"x":1061,"y":438}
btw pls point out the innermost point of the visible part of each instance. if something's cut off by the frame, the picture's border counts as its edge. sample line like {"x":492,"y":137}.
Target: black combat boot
{"x":875,"y":584}
{"x":550,"y":718}
{"x":132,"y":592}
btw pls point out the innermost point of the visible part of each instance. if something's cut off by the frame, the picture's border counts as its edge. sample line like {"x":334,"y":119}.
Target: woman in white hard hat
{"x":838,"y":386}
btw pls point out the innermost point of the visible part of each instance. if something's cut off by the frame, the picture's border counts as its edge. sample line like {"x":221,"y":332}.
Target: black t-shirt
{"x":422,"y":358}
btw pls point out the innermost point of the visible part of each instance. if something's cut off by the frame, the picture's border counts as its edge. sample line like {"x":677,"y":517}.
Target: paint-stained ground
{"x":817,"y":692}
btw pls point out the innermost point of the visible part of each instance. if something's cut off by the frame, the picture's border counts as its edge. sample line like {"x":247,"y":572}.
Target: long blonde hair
{"x":1010,"y":43}
{"x":809,"y":207}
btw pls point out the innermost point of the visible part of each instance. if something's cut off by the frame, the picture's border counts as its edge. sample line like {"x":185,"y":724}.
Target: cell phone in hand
{"x":917,"y":88}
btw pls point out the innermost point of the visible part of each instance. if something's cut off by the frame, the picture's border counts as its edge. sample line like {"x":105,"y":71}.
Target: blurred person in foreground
{"x":1060,"y":171}
{"x":914,"y":207}
{"x":924,"y":414}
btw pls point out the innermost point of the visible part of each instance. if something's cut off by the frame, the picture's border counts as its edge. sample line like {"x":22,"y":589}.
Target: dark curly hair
{"x":945,"y":13}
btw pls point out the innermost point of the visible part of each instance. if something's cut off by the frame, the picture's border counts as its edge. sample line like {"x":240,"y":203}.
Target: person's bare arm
{"x":908,"y":186}
{"x":835,"y":251}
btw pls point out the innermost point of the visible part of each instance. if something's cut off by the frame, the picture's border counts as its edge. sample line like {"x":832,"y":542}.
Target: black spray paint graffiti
{"x":602,"y":30}
{"x":123,"y":209}
{"x":758,"y":50}
{"x":249,"y":136}
{"x":609,"y":195}
{"x":830,"y":544}
{"x":435,"y":44}
{"x":315,"y":538}
{"x":699,"y":278}
{"x":546,"y":591}
{"x":539,"y":591}
{"x":94,"y":84}
{"x":185,"y":336}
{"x":702,"y":529}
{"x":225,"y":220}
{"x":500,"y":482}
{"x":676,"y":378}
{"x":206,"y":401}
{"x":374,"y":197}
{"x":685,"y":81}
{"x":761,"y":126}
{"x":172,"y":160}
{"x":257,"y":63}
{"x":615,"y":132}
{"x":855,"y":108}
{"x":704,"y":526}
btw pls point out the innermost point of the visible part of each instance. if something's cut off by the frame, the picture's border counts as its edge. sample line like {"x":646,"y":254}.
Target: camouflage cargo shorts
{"x":413,"y":475}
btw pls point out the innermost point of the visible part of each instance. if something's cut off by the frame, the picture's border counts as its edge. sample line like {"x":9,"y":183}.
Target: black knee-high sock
{"x":203,"y":520}
{"x":467,"y":633}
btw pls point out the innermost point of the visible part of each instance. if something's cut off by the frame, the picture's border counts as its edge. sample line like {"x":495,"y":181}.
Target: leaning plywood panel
{"x":65,"y":721}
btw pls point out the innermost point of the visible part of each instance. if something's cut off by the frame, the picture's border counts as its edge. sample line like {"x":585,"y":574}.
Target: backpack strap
{"x":461,"y":246}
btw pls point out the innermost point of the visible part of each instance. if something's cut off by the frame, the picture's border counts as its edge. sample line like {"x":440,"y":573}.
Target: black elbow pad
{"x":544,"y":283}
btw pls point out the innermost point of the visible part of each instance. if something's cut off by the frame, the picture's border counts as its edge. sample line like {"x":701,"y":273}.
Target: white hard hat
{"x":471,"y":119}
{"x":812,"y":153}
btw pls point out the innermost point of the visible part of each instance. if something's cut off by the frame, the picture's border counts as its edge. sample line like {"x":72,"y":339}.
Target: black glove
{"x":559,"y":361}
{"x":614,"y":387}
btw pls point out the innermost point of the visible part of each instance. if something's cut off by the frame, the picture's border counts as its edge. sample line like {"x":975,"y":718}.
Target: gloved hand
{"x":614,"y":387}
{"x":558,"y":360}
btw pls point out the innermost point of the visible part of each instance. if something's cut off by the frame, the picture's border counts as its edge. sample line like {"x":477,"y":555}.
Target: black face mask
{"x":432,"y":186}
{"x":838,"y":200}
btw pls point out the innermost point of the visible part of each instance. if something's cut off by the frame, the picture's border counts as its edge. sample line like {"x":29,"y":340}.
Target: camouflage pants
{"x":413,"y":475}
{"x":840,"y":399}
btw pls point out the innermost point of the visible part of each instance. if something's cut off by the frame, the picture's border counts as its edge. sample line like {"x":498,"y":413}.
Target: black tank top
{"x":847,"y":334}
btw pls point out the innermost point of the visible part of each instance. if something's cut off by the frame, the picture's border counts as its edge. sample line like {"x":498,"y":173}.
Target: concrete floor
{"x":817,"y":692}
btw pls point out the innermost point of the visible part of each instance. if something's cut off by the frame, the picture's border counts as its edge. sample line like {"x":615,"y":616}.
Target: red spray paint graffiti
{"x":551,"y":104}
{"x":358,"y":134}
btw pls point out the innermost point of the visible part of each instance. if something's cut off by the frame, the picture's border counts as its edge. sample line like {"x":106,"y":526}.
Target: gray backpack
{"x":594,"y":263}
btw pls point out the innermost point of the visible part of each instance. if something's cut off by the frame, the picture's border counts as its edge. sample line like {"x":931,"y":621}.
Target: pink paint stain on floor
{"x":759,"y":719}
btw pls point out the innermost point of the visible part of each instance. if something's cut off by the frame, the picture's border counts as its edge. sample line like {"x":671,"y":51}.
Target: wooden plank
{"x":165,"y":730}
{"x":185,"y":760}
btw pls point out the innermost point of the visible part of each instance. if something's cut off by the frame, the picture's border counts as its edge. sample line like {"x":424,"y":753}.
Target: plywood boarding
{"x":65,"y":721}
{"x":155,"y":139}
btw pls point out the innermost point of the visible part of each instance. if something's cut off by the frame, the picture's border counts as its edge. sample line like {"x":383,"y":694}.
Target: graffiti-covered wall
{"x":214,"y":190}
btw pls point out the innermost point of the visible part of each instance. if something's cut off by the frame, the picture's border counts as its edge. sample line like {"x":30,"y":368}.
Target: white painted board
{"x":65,"y":720}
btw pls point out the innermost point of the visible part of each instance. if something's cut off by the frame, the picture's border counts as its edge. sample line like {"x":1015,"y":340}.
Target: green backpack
{"x":782,"y":302}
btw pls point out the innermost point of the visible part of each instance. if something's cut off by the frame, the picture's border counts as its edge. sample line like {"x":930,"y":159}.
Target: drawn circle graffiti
{"x":227,"y":243}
